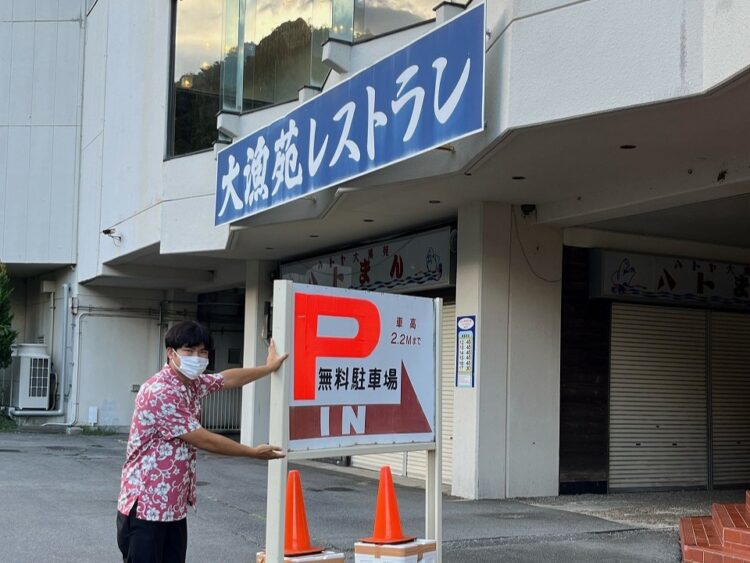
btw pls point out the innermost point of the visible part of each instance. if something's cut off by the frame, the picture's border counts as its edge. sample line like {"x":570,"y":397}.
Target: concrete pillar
{"x":255,"y":396}
{"x":506,"y":429}
{"x":533,"y":425}
{"x":482,"y":290}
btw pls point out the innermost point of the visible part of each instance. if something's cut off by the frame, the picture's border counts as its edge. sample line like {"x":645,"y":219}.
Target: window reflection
{"x":376,"y":17}
{"x":270,"y":49}
{"x":282,"y":49}
{"x":197,"y":75}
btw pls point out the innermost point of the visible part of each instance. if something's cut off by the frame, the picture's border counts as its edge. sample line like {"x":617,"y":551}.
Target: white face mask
{"x":192,"y":366}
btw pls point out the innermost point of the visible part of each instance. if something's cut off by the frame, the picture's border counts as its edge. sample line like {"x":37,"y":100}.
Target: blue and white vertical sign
{"x":466,"y":332}
{"x":428,"y":93}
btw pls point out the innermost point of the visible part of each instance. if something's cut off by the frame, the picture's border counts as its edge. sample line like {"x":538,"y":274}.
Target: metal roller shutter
{"x":730,"y":388}
{"x":376,"y":461}
{"x":658,"y":420}
{"x":416,"y":465}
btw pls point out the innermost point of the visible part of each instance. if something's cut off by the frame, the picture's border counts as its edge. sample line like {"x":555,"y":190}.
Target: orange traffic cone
{"x":296,"y":534}
{"x":387,"y":521}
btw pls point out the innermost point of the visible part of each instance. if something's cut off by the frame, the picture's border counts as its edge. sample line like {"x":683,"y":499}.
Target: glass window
{"x":357,"y":20}
{"x":376,"y":17}
{"x":272,"y":48}
{"x":196,"y":80}
{"x":282,"y":49}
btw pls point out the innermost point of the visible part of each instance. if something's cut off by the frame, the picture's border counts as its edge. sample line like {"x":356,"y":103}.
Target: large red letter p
{"x":308,"y":346}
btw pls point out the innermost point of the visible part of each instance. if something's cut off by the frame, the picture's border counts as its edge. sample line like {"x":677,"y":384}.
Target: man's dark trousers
{"x":142,"y":541}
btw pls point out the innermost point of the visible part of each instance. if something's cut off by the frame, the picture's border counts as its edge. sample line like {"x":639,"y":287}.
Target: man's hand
{"x":267,"y":451}
{"x":237,"y":377}
{"x":274,"y":359}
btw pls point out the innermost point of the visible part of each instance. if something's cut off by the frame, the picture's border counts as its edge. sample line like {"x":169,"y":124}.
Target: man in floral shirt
{"x":158,"y":478}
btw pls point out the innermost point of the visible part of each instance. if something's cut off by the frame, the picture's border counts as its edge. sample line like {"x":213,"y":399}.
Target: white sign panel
{"x":364,"y":369}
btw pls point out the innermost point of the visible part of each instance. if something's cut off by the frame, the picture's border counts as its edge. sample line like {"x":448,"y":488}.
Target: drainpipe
{"x":61,"y":378}
{"x":51,"y":324}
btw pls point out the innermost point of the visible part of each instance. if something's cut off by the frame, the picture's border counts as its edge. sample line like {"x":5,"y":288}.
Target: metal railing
{"x":222,"y":411}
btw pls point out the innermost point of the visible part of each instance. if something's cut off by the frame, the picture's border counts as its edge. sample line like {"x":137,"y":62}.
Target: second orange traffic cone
{"x":296,"y":534}
{"x":387,"y":528}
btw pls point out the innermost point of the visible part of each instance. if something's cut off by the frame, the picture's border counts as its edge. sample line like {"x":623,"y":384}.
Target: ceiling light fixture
{"x":519,"y":177}
{"x":628,"y":147}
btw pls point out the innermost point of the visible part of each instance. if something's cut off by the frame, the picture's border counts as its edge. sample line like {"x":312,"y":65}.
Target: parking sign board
{"x":361,"y":379}
{"x":364,"y":369}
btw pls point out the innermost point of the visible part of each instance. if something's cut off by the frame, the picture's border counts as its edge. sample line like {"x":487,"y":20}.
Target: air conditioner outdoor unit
{"x":30,"y":377}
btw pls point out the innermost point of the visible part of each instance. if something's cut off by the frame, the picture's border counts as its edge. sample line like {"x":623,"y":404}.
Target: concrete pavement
{"x":57,"y":503}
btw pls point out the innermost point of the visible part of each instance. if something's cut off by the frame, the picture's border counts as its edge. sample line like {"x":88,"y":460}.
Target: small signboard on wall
{"x":465,"y":346}
{"x":642,"y":277}
{"x":417,"y":261}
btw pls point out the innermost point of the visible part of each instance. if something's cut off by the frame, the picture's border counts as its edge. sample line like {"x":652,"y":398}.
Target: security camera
{"x":112,"y":233}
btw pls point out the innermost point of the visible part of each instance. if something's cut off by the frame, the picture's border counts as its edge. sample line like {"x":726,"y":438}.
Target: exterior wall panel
{"x":40,"y":97}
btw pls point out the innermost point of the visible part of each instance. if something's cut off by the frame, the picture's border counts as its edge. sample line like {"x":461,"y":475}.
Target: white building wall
{"x":40,"y":95}
{"x":114,"y":352}
{"x":599,"y":56}
{"x":92,"y":137}
{"x":726,"y":44}
{"x":534,"y":359}
{"x":507,"y":428}
{"x":115,"y":342}
{"x":124,"y":128}
{"x":187,"y":214}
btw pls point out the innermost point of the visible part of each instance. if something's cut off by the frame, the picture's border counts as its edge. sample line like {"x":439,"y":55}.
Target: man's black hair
{"x":190,"y":334}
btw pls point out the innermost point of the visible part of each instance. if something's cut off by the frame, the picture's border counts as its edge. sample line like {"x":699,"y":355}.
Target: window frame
{"x":169,"y":145}
{"x":171,"y":105}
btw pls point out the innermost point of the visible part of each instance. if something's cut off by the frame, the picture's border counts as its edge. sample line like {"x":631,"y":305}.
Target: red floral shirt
{"x":159,"y":470}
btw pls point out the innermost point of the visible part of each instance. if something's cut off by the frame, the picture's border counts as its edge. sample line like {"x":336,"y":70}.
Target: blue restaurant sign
{"x":422,"y":96}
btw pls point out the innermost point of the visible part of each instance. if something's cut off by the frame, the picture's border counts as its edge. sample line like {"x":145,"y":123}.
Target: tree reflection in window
{"x":282,"y":49}
{"x":376,"y":17}
{"x":197,"y":75}
{"x":280,"y":46}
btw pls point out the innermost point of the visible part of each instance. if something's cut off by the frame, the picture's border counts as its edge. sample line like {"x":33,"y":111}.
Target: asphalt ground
{"x":58,"y":503}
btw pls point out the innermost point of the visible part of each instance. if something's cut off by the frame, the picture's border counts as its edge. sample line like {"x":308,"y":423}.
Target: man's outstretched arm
{"x":218,"y":444}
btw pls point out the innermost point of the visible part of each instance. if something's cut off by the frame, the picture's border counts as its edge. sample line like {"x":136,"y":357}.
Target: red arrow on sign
{"x":405,"y":418}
